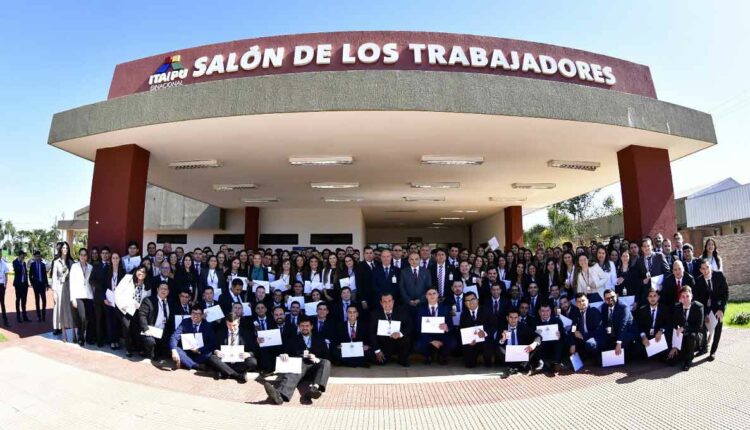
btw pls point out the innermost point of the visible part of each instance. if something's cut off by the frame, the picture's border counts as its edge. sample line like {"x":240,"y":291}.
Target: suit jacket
{"x":384,"y":284}
{"x":250,"y":273}
{"x":449,"y":273}
{"x":287,"y":329}
{"x":21,"y":277}
{"x":295,"y":346}
{"x":226,"y":301}
{"x":220,"y":279}
{"x":363,"y":276}
{"x":525,"y":335}
{"x":414,"y":288}
{"x":442,"y":311}
{"x":528,"y":320}
{"x":329,"y":329}
{"x":659,"y":266}
{"x":621,"y":323}
{"x":715,"y":299}
{"x":534,"y":305}
{"x":692,"y":267}
{"x":694,"y":323}
{"x":669,"y":295}
{"x":361,"y":334}
{"x":338,"y":313}
{"x":399,"y":314}
{"x":34,"y":271}
{"x":484,"y":319}
{"x":186,"y":327}
{"x":149,"y":311}
{"x":663,"y":319}
{"x":594,"y":327}
{"x":246,"y":338}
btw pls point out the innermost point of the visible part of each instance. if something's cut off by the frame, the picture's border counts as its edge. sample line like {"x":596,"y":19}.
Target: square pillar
{"x":118,"y":197}
{"x":513,"y":226}
{"x":647,"y":192}
{"x":252,"y":227}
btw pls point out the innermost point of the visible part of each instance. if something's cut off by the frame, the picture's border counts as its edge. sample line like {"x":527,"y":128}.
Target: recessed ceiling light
{"x":401,"y":210}
{"x":424,"y":198}
{"x":464,"y":211}
{"x":452,"y":218}
{"x":334,"y":185}
{"x":436,"y":227}
{"x":452,"y":160}
{"x":438,"y":223}
{"x":342,"y":199}
{"x":194,"y":164}
{"x":233,"y":187}
{"x":575,"y":165}
{"x":439,"y":185}
{"x":260,"y":200}
{"x":321,"y":161}
{"x":533,"y":185}
{"x":507,"y":199}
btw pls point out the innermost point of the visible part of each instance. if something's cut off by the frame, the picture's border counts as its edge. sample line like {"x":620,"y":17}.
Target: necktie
{"x":679,"y":287}
{"x":352,"y":333}
{"x":709,"y":291}
{"x":653,"y":318}
{"x":320,"y":326}
{"x":386,"y":273}
{"x":473,"y":316}
{"x":195,"y":328}
{"x":164,"y":309}
{"x":441,"y":279}
{"x":432,"y":312}
{"x":414,"y":274}
{"x":185,"y":309}
{"x":307,"y":342}
{"x":686,"y":315}
{"x":497,"y":307}
{"x":582,"y":322}
{"x":424,"y":264}
{"x":388,"y":316}
{"x":231,"y":339}
{"x":513,"y":340}
{"x":609,"y":317}
{"x":458,"y":304}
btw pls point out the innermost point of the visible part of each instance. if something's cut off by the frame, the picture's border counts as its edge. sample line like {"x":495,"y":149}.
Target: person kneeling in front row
{"x":315,"y":362}
{"x":235,"y":335}
{"x":196,"y":331}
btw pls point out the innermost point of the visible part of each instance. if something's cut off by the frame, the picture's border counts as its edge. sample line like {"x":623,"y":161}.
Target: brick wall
{"x":733,"y":249}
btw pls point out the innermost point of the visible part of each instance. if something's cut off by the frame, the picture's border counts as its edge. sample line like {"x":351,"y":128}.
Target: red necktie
{"x":679,"y":287}
{"x":353,"y":333}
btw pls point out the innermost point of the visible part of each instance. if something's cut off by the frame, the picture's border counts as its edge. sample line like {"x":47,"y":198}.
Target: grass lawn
{"x":735,"y":308}
{"x":2,"y":338}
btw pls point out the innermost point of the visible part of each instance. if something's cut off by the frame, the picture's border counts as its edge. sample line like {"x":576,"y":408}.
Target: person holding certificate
{"x":351,"y":332}
{"x":711,"y":290}
{"x":512,"y":336}
{"x":234,"y":356}
{"x":481,"y":321}
{"x":687,"y":320}
{"x":653,"y":322}
{"x":315,"y":362}
{"x":267,"y":352}
{"x":587,"y":333}
{"x":193,"y":342}
{"x":234,"y":295}
{"x":617,"y":321}
{"x":551,"y":328}
{"x":154,"y":320}
{"x":434,"y":325}
{"x":395,"y":336}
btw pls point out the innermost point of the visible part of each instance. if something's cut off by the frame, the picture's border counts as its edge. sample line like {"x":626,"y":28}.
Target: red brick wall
{"x":734,"y":257}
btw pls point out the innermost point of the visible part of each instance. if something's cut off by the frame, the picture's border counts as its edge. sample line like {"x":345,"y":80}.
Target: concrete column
{"x":118,"y":197}
{"x":252,"y":227}
{"x":513,"y":226}
{"x":647,"y":192}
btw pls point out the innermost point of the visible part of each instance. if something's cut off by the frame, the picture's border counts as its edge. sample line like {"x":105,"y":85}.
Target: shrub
{"x":742,"y":318}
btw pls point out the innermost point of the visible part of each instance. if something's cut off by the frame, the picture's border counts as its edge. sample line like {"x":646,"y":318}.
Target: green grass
{"x":735,"y":308}
{"x":2,"y":338}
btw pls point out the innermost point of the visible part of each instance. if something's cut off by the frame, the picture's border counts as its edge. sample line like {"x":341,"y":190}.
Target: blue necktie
{"x":513,"y":340}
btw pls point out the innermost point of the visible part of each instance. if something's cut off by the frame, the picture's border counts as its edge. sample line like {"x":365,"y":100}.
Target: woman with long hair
{"x":115,"y":273}
{"x":589,"y":279}
{"x":627,"y":279}
{"x":82,"y":296}
{"x":131,"y":329}
{"x":186,"y":278}
{"x":350,"y":273}
{"x":711,"y":254}
{"x":62,"y":314}
{"x":331,"y":276}
{"x":550,"y":277}
{"x":298,"y":268}
{"x":567,"y":273}
{"x":607,"y":266}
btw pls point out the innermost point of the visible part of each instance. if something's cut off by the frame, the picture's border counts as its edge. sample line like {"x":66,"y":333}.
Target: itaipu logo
{"x":169,"y":74}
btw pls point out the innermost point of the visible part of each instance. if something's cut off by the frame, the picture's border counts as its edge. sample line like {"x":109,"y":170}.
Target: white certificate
{"x":246,"y":309}
{"x":244,"y":282}
{"x":178,"y":320}
{"x":712,"y":322}
{"x":493,"y":243}
{"x":567,"y":322}
{"x":471,"y":289}
{"x":264,"y":284}
{"x":516,"y":353}
{"x":386,"y":328}
{"x":345,"y":282}
{"x":192,"y":341}
{"x":628,"y":301}
{"x":124,"y":295}
{"x":316,"y":286}
{"x":110,"y":296}
{"x":278,"y":285}
{"x":214,"y":313}
{"x":548,"y":332}
{"x":155,"y":332}
{"x":432,"y":324}
{"x":676,"y":339}
{"x":217,"y":294}
{"x":308,"y":287}
{"x":291,"y":365}
{"x":576,"y":361}
{"x":507,"y":285}
{"x":298,"y":299}
{"x":232,"y":353}
{"x":469,"y":335}
{"x":328,"y":286}
{"x":311,"y":308}
{"x":609,"y":358}
{"x":655,"y":347}
{"x":352,"y":349}
{"x":656,"y":282}
{"x":270,"y":337}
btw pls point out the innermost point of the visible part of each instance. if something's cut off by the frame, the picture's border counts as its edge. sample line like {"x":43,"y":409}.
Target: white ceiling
{"x":386,"y":147}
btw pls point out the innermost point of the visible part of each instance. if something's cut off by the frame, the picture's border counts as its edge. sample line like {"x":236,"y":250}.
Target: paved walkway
{"x":48,"y":384}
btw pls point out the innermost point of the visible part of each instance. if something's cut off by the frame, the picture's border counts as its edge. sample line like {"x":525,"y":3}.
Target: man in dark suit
{"x":39,"y":282}
{"x":21,"y":283}
{"x":338,"y":311}
{"x":441,"y":274}
{"x":650,"y":263}
{"x":399,"y":341}
{"x":234,"y":335}
{"x":495,"y":304}
{"x":353,"y":329}
{"x":182,"y":306}
{"x":712,"y":291}
{"x":260,"y":296}
{"x":429,"y":344}
{"x":534,"y":300}
{"x":482,"y":319}
{"x":163,"y":277}
{"x":425,"y":257}
{"x":196,"y":357}
{"x":315,"y":362}
{"x":550,"y":351}
{"x":100,"y":280}
{"x":672,"y":285}
{"x":513,"y":333}
{"x":454,"y":299}
{"x":587,"y":333}
{"x":267,"y":354}
{"x":234,"y":295}
{"x":688,"y":319}
{"x":692,"y":265}
{"x":399,"y":259}
{"x":414,"y":283}
{"x":653,"y":321}
{"x":385,"y":277}
{"x":486,"y":286}
{"x":154,"y":312}
{"x":3,"y":281}
{"x":322,"y":325}
{"x":617,"y":321}
{"x":363,"y":273}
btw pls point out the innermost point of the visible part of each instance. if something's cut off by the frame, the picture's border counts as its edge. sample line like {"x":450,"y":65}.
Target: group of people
{"x":297,"y":313}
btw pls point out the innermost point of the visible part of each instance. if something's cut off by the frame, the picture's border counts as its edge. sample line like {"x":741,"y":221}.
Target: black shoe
{"x":702,"y":351}
{"x":38,"y":319}
{"x":99,"y":345}
{"x":7,"y":324}
{"x":404,"y":363}
{"x":711,"y":357}
{"x":273,"y":394}
{"x":242,"y":378}
{"x":314,"y":392}
{"x":129,"y":354}
{"x":686,"y":367}
{"x":504,"y":375}
{"x":54,"y":332}
{"x":428,"y":361}
{"x":81,"y":343}
{"x":512,"y":370}
{"x":26,"y":319}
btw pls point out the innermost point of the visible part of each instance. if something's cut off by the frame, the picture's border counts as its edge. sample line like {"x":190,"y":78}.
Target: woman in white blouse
{"x":348,"y":271}
{"x":589,"y":279}
{"x":711,"y":254}
{"x":62,"y":315}
{"x":82,"y":295}
{"x":607,"y":266}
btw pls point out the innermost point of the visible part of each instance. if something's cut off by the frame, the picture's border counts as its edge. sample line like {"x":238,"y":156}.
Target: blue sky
{"x":60,"y":55}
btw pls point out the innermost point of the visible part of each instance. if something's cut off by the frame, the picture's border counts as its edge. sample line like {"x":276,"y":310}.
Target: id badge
{"x":450,"y":276}
{"x":651,"y":332}
{"x":609,"y":330}
{"x":393,"y":279}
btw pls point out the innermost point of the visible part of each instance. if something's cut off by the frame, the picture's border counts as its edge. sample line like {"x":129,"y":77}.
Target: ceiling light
{"x":342,"y":199}
{"x":507,"y":199}
{"x":440,"y":185}
{"x":233,"y":187}
{"x":334,"y":185}
{"x":436,"y":227}
{"x":449,"y":160}
{"x":320,"y":161}
{"x":462,"y":211}
{"x":451,"y":218}
{"x":401,"y":210}
{"x":260,"y":200}
{"x":589,"y":166}
{"x":532,"y":185}
{"x":438,"y":223}
{"x":424,"y":198}
{"x":194,"y":164}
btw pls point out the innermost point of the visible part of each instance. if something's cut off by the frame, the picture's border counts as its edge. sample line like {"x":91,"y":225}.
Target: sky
{"x":61,"y":55}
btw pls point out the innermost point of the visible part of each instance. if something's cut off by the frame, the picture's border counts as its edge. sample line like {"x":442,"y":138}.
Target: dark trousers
{"x":267,"y":357}
{"x":551,"y":351}
{"x":84,"y":321}
{"x":715,"y":338}
{"x":128,"y":326}
{"x":320,"y":372}
{"x":100,"y":321}
{"x":232,"y":370}
{"x":21,"y":293}
{"x":472,"y":353}
{"x":40,"y":297}
{"x":424,"y":347}
{"x":399,"y":347}
{"x":2,"y":302}
{"x":690,"y":342}
{"x":113,"y":323}
{"x":155,"y":348}
{"x":353,"y":361}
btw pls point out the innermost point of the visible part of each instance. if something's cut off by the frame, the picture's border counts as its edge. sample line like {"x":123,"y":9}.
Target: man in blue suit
{"x":21,"y":283}
{"x":415,"y":281}
{"x":617,"y":321}
{"x":587,"y":333}
{"x":39,"y":282}
{"x":385,"y":277}
{"x":197,"y":357}
{"x":429,"y":344}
